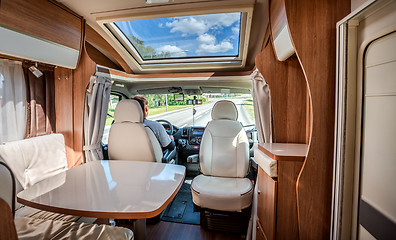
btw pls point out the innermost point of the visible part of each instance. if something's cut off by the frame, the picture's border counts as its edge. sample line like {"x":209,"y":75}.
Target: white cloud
{"x":187,"y":25}
{"x":173,"y":50}
{"x":160,"y":25}
{"x":206,"y":39}
{"x":224,"y":46}
{"x":235,"y":30}
{"x":201,"y":24}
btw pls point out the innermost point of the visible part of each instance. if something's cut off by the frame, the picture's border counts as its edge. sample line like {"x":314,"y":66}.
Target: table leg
{"x":139,"y":229}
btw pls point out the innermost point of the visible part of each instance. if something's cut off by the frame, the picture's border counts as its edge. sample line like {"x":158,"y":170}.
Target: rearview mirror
{"x":178,"y":97}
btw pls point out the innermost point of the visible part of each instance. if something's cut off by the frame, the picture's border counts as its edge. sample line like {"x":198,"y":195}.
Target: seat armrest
{"x":193,"y":158}
{"x":169,"y":155}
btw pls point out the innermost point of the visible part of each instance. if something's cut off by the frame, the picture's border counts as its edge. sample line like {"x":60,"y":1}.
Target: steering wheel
{"x":170,"y":131}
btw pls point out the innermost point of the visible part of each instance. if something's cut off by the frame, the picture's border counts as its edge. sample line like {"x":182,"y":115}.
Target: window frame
{"x":119,"y":38}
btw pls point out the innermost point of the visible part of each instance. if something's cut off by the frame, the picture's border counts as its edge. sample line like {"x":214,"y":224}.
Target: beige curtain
{"x":262,"y":107}
{"x":263,"y":117}
{"x":96,"y":106}
{"x":12,"y":101}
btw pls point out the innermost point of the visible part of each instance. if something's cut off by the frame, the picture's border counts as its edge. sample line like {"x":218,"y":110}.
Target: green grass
{"x":248,"y":105}
{"x":152,"y":111}
{"x":162,"y":109}
{"x":109,"y":119}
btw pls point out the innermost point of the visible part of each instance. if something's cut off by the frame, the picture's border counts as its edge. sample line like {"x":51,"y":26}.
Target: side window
{"x":114,"y":99}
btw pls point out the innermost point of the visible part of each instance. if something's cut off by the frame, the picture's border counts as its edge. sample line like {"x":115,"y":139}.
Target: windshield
{"x":186,"y":113}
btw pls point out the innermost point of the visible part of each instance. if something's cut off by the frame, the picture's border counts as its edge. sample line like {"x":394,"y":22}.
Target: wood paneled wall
{"x":64,"y":109}
{"x":100,"y":58}
{"x":316,"y":50}
{"x":70,"y":87}
{"x":100,"y":43}
{"x":43,"y":19}
{"x":289,"y":106}
{"x":303,"y":95}
{"x":288,"y":96}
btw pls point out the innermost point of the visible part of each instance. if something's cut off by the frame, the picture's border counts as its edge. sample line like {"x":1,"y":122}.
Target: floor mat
{"x":181,"y":208}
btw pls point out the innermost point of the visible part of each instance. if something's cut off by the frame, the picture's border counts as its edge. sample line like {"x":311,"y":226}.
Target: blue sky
{"x":202,"y":35}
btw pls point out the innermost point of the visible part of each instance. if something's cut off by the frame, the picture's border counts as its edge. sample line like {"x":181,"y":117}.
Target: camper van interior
{"x":198,"y":119}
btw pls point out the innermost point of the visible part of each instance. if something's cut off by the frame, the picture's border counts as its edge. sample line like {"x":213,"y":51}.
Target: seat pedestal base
{"x":231,"y":222}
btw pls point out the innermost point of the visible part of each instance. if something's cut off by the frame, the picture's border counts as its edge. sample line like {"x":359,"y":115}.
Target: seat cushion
{"x":29,"y":212}
{"x":34,"y":159}
{"x":31,"y":228}
{"x":220,"y":193}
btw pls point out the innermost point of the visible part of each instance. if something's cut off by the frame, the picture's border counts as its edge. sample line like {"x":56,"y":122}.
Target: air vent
{"x":185,"y":132}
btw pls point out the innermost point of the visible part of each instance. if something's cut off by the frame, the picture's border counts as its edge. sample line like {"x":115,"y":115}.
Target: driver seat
{"x":129,"y":138}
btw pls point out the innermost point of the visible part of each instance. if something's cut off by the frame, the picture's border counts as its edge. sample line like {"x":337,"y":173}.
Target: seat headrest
{"x":128,"y":110}
{"x":224,"y":109}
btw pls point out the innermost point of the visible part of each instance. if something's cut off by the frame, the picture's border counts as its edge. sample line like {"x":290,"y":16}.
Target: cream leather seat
{"x":129,"y":138}
{"x":224,"y":161}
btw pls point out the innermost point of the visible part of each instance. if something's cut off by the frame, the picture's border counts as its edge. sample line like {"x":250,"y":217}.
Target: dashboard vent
{"x":185,"y":132}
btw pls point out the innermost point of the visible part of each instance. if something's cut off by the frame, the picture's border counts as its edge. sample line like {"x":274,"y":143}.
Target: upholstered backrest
{"x":129,"y":139}
{"x":224,"y":148}
{"x":34,"y":159}
{"x":7,"y":186}
{"x":224,"y":109}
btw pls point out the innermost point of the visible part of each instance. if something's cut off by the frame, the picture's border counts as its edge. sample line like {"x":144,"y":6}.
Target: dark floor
{"x":181,"y":209}
{"x":175,"y":231}
{"x":179,"y":231}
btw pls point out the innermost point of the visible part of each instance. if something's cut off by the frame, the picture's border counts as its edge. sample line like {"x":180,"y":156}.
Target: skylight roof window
{"x":210,"y":35}
{"x":195,"y":39}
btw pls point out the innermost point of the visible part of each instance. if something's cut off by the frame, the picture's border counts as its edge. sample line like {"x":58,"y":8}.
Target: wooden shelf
{"x":285,"y":151}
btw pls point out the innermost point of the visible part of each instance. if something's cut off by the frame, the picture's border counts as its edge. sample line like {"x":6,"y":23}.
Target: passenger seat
{"x":224,"y":162}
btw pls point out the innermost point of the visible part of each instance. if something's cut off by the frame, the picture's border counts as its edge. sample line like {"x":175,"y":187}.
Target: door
{"x":377,"y":200}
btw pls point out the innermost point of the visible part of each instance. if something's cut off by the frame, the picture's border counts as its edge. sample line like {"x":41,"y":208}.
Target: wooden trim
{"x":173,"y":75}
{"x":7,"y":226}
{"x":114,"y":215}
{"x":13,"y":186}
{"x":11,"y":57}
{"x":82,"y":41}
{"x":280,"y":157}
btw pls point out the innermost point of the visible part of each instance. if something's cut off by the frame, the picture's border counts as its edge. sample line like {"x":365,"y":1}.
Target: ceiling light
{"x":156,"y":1}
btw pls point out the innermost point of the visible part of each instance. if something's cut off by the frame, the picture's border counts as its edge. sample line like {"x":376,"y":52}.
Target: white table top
{"x":108,"y":189}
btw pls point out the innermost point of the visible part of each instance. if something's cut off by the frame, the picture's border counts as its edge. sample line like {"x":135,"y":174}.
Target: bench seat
{"x":34,"y":228}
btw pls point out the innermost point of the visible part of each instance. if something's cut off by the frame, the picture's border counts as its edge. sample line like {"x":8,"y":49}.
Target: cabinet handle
{"x":258,"y":191}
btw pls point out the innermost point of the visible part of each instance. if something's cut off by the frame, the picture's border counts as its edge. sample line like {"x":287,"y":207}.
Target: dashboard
{"x":188,"y":140}
{"x":196,"y":135}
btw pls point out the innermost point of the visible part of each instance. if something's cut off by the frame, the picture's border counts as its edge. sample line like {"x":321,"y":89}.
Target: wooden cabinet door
{"x":260,"y":235}
{"x":266,"y":203}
